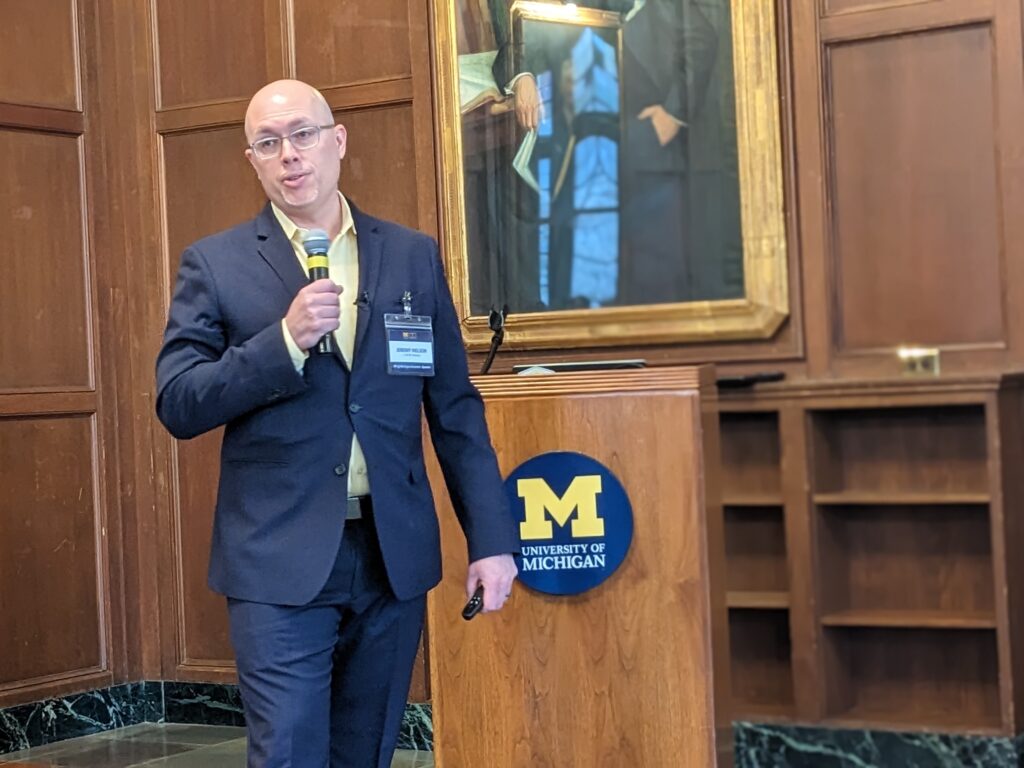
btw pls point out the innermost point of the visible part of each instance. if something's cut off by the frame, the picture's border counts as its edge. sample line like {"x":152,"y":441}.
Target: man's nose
{"x":288,"y":151}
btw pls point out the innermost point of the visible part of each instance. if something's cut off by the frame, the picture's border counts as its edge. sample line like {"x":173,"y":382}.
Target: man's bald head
{"x":282,"y":96}
{"x":300,"y":171}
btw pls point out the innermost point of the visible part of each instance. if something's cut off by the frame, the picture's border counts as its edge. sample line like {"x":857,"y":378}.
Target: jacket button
{"x":340,"y":470}
{"x":355,"y":408}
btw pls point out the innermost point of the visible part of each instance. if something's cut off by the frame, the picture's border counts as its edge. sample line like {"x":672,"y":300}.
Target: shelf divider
{"x":911,"y":619}
{"x":757,"y":600}
{"x":882,"y":498}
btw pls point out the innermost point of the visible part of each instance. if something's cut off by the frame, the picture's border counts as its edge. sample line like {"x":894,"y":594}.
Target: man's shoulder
{"x":396,"y":234}
{"x":240,"y":236}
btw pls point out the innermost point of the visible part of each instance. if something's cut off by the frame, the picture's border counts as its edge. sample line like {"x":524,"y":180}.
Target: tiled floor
{"x":175,"y":746}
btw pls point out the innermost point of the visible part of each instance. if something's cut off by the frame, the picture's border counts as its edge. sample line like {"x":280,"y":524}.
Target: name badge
{"x":410,"y":345}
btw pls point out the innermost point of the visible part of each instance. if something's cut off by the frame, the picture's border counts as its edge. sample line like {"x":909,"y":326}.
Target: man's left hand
{"x":496,"y":574}
{"x":664,"y":124}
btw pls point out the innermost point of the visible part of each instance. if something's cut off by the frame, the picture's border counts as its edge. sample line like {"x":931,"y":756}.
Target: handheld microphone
{"x":316,"y":243}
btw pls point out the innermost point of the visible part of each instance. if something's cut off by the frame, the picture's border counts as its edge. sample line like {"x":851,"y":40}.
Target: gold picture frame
{"x":765,"y":304}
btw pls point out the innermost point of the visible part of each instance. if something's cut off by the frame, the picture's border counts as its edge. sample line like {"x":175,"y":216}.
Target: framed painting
{"x":612,"y":170}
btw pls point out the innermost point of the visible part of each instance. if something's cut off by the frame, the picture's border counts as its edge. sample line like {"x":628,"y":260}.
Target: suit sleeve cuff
{"x":297,"y":355}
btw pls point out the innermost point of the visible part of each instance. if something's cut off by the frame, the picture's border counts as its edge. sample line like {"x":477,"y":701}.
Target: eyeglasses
{"x":306,"y":137}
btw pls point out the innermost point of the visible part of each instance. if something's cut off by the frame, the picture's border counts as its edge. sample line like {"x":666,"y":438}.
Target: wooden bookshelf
{"x":929,"y":677}
{"x":761,"y":675}
{"x":872,"y":531}
{"x":750,"y":456}
{"x":893,"y":558}
{"x":757,"y":569}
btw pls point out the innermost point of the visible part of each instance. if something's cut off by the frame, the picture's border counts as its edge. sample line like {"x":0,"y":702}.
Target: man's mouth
{"x":294,"y":179}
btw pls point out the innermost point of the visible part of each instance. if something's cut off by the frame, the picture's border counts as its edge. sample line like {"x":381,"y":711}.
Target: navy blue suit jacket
{"x":288,"y":435}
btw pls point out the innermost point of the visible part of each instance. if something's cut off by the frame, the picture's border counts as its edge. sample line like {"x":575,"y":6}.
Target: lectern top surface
{"x":672,"y":379}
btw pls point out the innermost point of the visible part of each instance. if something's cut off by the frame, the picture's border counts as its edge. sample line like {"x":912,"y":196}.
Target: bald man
{"x":325,"y":537}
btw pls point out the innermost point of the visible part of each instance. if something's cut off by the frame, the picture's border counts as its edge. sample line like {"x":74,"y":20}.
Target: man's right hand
{"x":529,"y":108}
{"x":314,"y":312}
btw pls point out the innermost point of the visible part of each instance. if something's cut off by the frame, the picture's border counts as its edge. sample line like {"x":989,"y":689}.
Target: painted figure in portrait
{"x":599,"y":153}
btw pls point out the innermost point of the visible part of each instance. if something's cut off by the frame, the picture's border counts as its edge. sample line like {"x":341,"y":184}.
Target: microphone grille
{"x":316,"y":241}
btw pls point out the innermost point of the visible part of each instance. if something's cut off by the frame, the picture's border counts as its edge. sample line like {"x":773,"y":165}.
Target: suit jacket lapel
{"x":371,"y":253}
{"x":639,"y":35}
{"x":278,"y":252}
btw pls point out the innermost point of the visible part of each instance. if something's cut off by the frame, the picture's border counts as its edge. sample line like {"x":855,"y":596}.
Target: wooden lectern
{"x":620,"y":676}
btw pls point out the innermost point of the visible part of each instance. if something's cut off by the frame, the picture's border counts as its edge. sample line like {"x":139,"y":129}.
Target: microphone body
{"x":316,"y":244}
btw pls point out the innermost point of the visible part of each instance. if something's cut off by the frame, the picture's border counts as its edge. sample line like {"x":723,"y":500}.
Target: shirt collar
{"x":294,"y":233}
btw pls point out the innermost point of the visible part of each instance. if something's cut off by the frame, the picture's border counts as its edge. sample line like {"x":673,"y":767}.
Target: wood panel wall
{"x":910,"y":122}
{"x":61,"y":626}
{"x":119,"y":150}
{"x":903,"y":124}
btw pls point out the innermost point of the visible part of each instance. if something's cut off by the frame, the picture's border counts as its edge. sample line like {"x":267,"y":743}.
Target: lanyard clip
{"x":407,"y":302}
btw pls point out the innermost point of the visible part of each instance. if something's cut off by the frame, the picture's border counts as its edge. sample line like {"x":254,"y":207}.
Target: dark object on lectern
{"x":749,"y":379}
{"x":583,"y":365}
{"x":475,"y":604}
{"x":496,"y":320}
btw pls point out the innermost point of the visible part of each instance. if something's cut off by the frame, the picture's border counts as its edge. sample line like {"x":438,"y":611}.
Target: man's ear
{"x":251,"y":157}
{"x":341,"y":136}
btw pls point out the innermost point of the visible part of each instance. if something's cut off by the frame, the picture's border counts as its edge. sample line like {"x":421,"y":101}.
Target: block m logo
{"x":540,"y":502}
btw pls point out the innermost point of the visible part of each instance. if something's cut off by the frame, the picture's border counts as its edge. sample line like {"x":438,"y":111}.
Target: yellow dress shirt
{"x":343,"y":268}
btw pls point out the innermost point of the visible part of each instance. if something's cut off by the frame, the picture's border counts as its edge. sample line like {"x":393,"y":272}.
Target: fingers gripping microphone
{"x":316,"y":243}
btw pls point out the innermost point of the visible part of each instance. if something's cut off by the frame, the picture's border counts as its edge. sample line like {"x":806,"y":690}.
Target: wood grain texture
{"x":620,"y":675}
{"x":910,"y":559}
{"x":379,"y":169}
{"x":50,"y":564}
{"x":127,"y":239}
{"x":808,"y":663}
{"x":914,"y":189}
{"x":347,"y":41}
{"x":901,"y":178}
{"x":900,"y":451}
{"x":899,"y":501}
{"x":47,"y":339}
{"x":716,"y":543}
{"x":1004,"y":416}
{"x":833,"y":7}
{"x":203,"y":633}
{"x":945,"y":677}
{"x":51,"y":80}
{"x":230,"y":192}
{"x":760,"y":651}
{"x":755,"y":541}
{"x":750,"y":456}
{"x":208,"y":52}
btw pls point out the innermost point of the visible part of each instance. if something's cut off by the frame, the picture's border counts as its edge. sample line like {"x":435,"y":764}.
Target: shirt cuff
{"x":298,"y":355}
{"x":510,"y":86}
